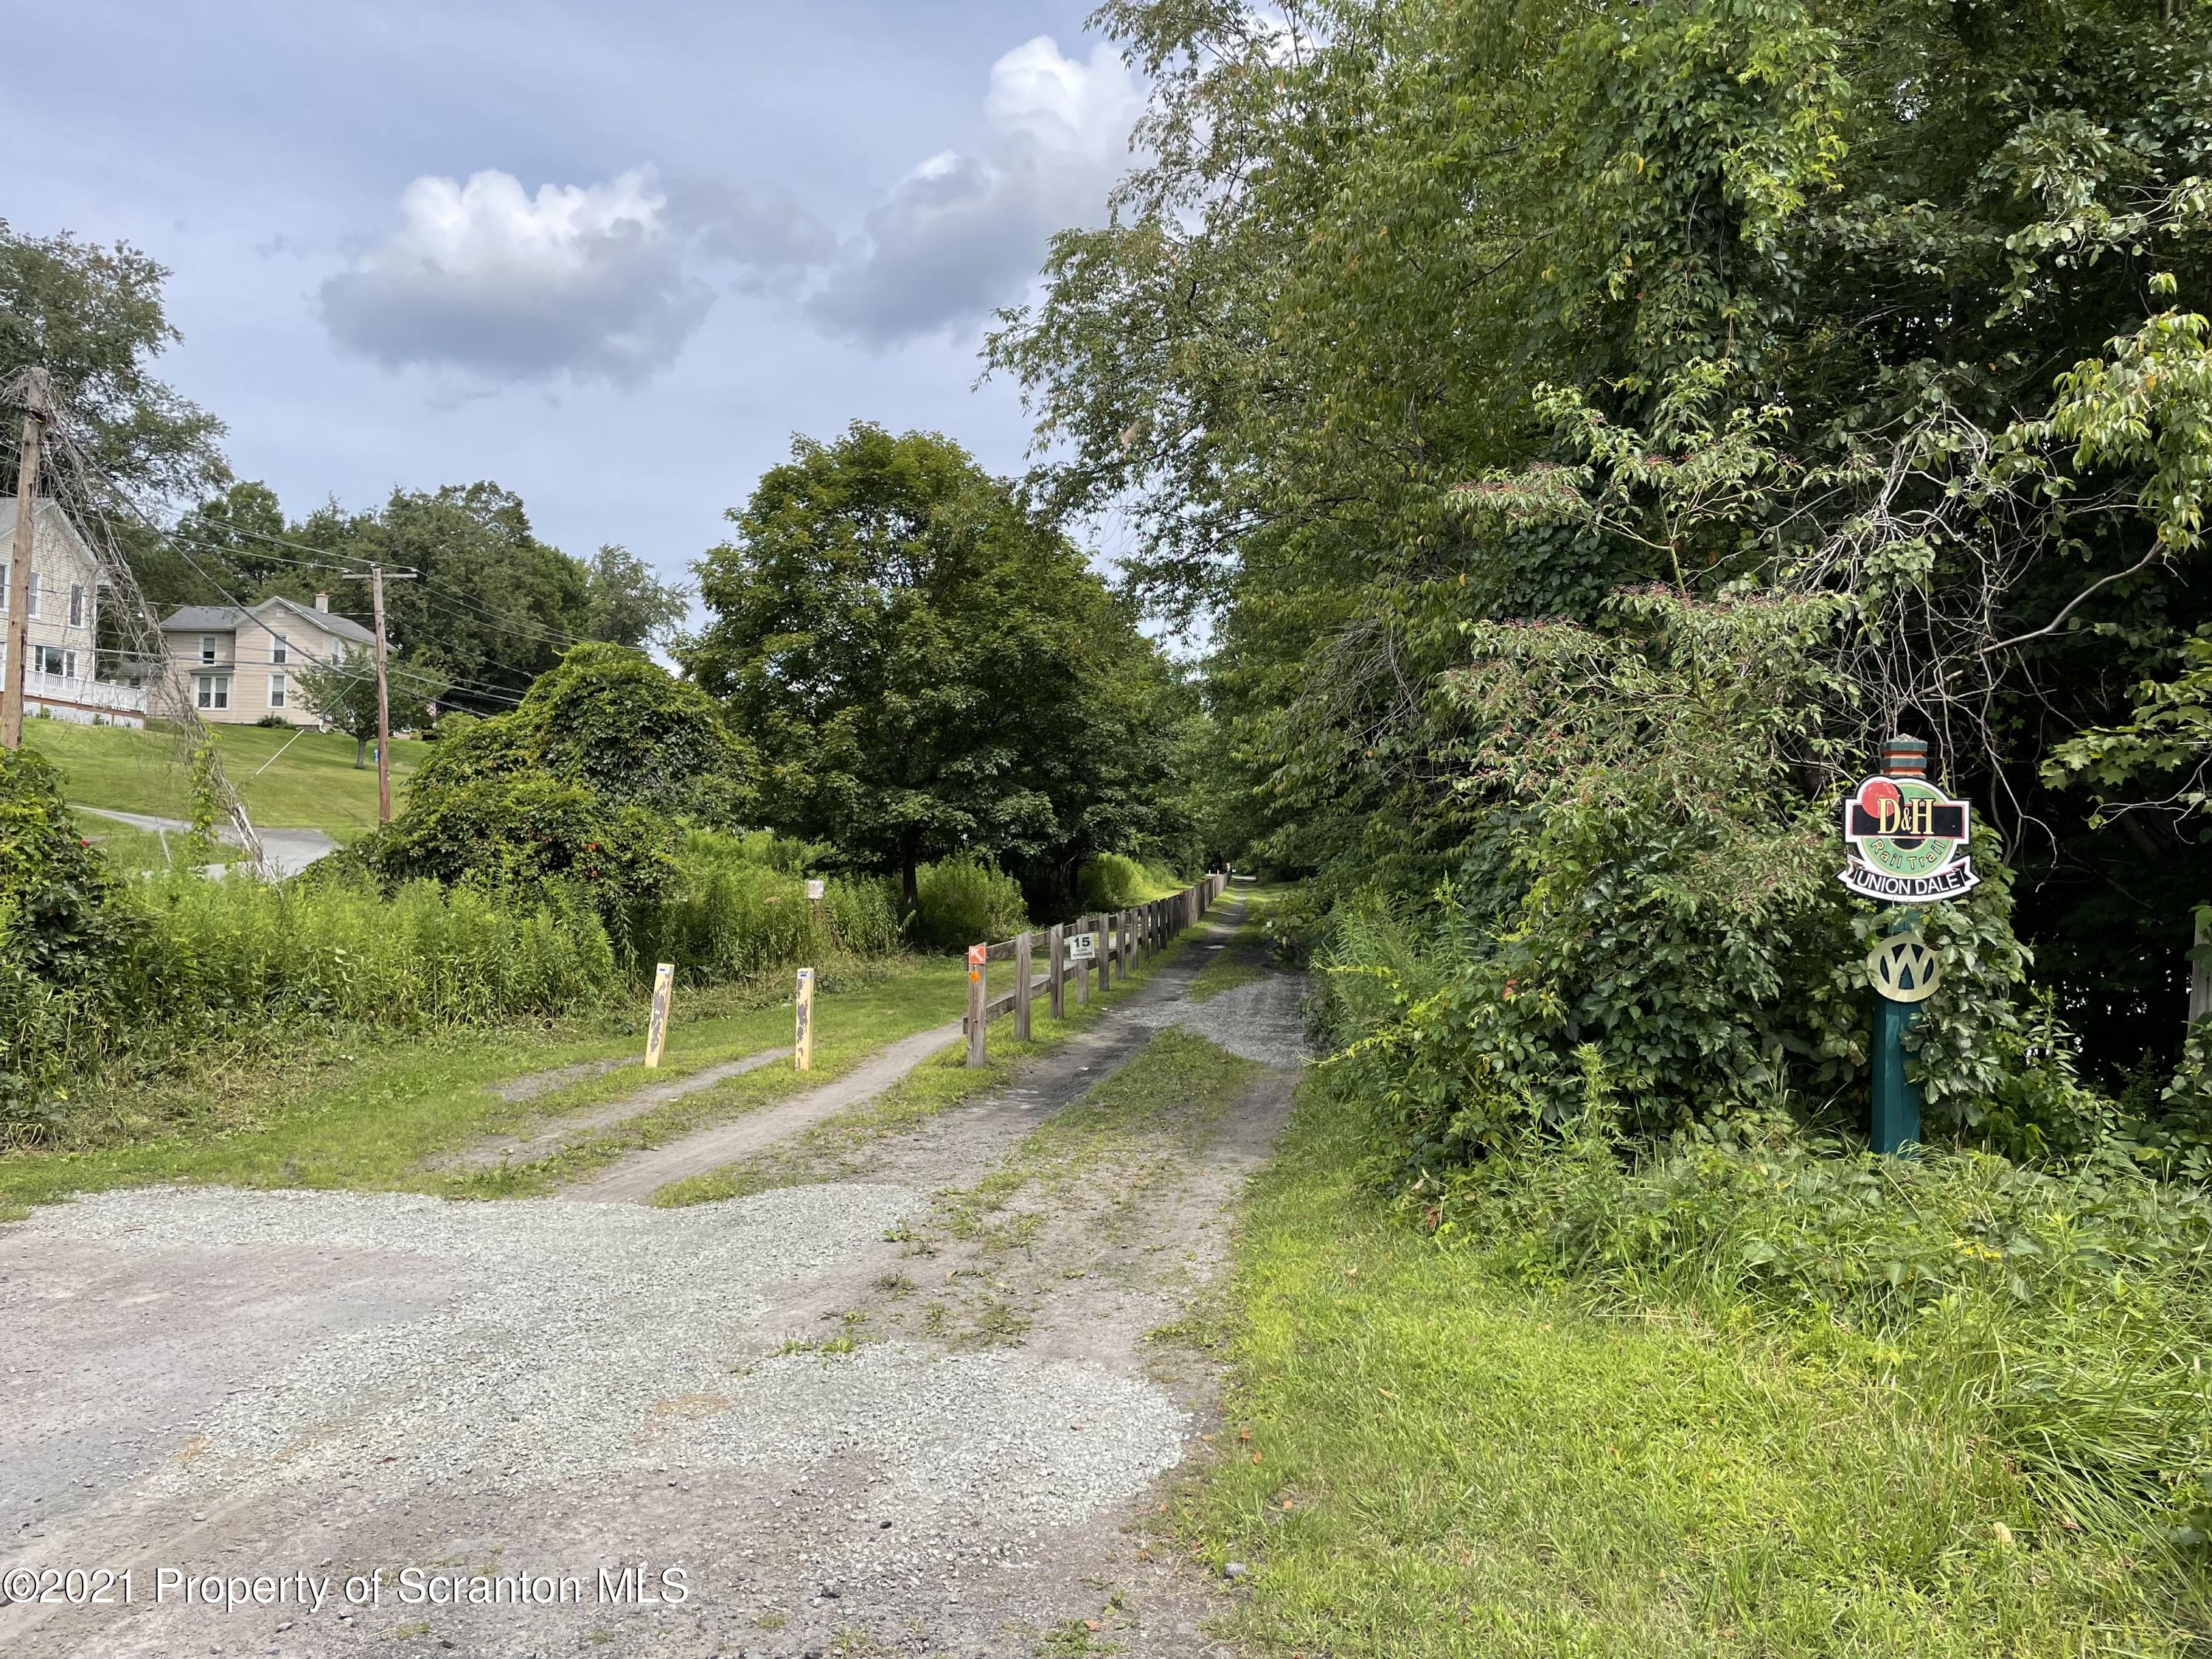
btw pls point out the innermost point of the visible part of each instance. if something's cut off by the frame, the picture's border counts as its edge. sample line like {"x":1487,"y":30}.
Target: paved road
{"x":303,"y":1387}
{"x":288,"y":851}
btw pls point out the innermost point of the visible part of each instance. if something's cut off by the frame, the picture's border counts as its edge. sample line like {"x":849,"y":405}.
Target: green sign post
{"x":1907,"y":845}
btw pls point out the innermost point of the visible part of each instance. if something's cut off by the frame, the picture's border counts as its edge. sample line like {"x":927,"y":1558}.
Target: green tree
{"x":343,"y":693}
{"x":627,"y":605}
{"x":93,"y":318}
{"x":490,"y":605}
{"x":929,"y":668}
{"x":1421,"y":315}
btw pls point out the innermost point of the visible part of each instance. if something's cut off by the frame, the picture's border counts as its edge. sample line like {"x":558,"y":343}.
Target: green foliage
{"x":93,"y":318}
{"x":1109,"y":881}
{"x":490,"y":606}
{"x":734,"y":912}
{"x":927,"y":666}
{"x":530,"y":836}
{"x":962,"y":902}
{"x":627,"y":604}
{"x":1420,"y":317}
{"x":2047,"y":1312}
{"x":1647,"y":872}
{"x":57,"y":896}
{"x":344,"y":693}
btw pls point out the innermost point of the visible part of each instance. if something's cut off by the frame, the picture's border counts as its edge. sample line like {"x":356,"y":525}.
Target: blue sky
{"x":611,"y":256}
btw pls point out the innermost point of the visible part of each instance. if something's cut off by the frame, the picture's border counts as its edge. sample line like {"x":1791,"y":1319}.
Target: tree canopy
{"x":1421,"y":316}
{"x":927,"y":666}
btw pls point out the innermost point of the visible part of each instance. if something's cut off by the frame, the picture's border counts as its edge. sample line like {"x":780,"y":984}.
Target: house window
{"x":76,"y":604}
{"x":281,"y":652}
{"x":214,"y":690}
{"x":277,"y":690}
{"x":33,"y":608}
{"x":53,"y":660}
{"x":207,"y":647}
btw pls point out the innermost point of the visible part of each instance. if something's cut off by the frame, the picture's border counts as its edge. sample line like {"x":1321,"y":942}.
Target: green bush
{"x":527,"y":836}
{"x":963,"y":901}
{"x":740,"y":907}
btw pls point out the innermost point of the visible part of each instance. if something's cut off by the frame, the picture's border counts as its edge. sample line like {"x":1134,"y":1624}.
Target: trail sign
{"x":1907,"y":841}
{"x":1903,"y":968}
{"x":1082,"y":947}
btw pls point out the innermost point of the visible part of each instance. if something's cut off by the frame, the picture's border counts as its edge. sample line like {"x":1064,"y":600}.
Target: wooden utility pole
{"x":376,"y":579}
{"x":37,"y":406}
{"x":383,"y":703}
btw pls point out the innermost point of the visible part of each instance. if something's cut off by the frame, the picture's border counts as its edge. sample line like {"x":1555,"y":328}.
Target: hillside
{"x":309,"y":781}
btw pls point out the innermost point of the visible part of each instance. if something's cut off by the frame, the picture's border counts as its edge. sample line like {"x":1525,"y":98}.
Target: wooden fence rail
{"x":1126,"y":938}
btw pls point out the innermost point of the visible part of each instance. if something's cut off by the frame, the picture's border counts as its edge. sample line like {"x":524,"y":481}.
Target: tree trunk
{"x":361,"y":754}
{"x":909,"y":890}
{"x":2200,"y":974}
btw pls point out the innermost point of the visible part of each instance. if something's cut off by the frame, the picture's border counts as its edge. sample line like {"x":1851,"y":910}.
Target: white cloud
{"x":585,"y":281}
{"x":962,"y":235}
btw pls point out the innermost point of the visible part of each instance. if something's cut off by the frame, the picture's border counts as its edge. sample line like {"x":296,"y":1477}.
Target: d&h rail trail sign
{"x":1905,"y":844}
{"x":1906,"y":840}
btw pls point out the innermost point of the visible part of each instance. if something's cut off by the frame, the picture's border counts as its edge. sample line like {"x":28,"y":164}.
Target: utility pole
{"x":37,"y":406}
{"x":383,"y":694}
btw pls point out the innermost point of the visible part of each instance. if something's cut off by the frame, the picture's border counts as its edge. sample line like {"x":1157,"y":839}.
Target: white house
{"x":61,"y":677}
{"x":240,"y":664}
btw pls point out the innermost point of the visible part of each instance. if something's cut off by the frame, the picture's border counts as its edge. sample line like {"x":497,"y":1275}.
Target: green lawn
{"x":313,"y":785}
{"x":1426,"y":1457}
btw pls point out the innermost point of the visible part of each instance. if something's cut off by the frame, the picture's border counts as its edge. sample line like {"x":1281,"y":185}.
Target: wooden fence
{"x":1125,"y":938}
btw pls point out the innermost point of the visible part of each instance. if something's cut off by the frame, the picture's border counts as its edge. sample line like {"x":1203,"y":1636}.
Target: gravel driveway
{"x":644,"y":1431}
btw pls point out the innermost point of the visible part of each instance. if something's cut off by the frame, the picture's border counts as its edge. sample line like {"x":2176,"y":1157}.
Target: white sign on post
{"x":1082,"y":947}
{"x":814,"y":891}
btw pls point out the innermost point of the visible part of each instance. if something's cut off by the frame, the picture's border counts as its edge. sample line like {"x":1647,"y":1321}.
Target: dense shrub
{"x":1649,"y":868}
{"x":735,"y":910}
{"x":963,"y":901}
{"x":612,"y":721}
{"x":525,"y":836}
{"x":1112,"y":882}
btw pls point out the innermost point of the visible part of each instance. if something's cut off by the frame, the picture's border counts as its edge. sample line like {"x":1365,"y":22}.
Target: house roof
{"x":225,"y":619}
{"x":51,"y":513}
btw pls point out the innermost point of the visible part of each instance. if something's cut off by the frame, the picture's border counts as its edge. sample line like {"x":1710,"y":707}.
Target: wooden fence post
{"x":977,"y":956}
{"x":1055,"y":953}
{"x":1022,"y":986}
{"x":1085,"y":925}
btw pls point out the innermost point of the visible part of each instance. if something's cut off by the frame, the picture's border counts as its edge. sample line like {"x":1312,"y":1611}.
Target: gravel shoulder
{"x":914,"y":1401}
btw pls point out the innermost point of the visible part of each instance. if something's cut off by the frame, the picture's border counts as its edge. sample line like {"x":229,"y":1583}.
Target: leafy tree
{"x":92,"y":316}
{"x":929,"y":669}
{"x":1420,"y":316}
{"x":627,"y":605}
{"x":343,"y":693}
{"x":490,"y":605}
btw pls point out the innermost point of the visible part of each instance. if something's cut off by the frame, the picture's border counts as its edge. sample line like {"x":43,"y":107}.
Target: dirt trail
{"x":911,"y":1401}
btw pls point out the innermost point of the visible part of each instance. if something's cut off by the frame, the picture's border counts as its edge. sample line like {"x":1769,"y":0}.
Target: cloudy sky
{"x":611,"y":256}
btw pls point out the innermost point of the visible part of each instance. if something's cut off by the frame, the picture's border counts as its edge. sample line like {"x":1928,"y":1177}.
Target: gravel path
{"x":493,"y":1150}
{"x":842,"y":1421}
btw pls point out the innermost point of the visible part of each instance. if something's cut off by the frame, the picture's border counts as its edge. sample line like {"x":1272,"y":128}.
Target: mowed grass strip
{"x":367,"y":1111}
{"x":310,"y":785}
{"x":1425,"y":1459}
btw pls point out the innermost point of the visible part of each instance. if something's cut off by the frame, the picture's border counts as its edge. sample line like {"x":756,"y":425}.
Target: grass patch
{"x":828,"y":1151}
{"x":1243,"y":959}
{"x":353,"y":1109}
{"x":311,"y":785}
{"x":1433,"y":1456}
